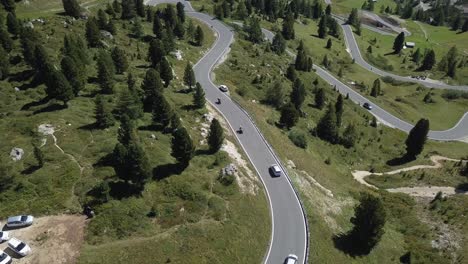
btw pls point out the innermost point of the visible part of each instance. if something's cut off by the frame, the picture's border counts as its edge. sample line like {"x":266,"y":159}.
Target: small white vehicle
{"x":291,"y":259}
{"x":20,"y":220}
{"x":223,"y":88}
{"x":19,"y":247}
{"x":4,"y":258}
{"x":4,"y":236}
{"x":275,"y":170}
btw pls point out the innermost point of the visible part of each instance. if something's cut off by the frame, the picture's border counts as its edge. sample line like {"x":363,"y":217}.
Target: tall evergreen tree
{"x":465,"y":26}
{"x":165,"y":71}
{"x":41,"y":63}
{"x":140,"y":8}
{"x":350,"y":136}
{"x":298,"y":94}
{"x":4,"y":64}
{"x":105,"y":71}
{"x":353,"y":18}
{"x":120,"y":60}
{"x":93,"y":35}
{"x":275,"y":95}
{"x":399,"y":42}
{"x":328,"y":10}
{"x":180,"y":12}
{"x":241,"y":11}
{"x":289,"y":116}
{"x":417,"y":138}
{"x":129,"y":103}
{"x":162,"y":112}
{"x":157,"y":27}
{"x":291,"y":73}
{"x":13,"y":24}
{"x":416,"y":56}
{"x":156,"y":52}
{"x":322,"y":27}
{"x":376,"y":88}
{"x":182,"y":146}
{"x":9,"y":5}
{"x":72,"y":8}
{"x":103,"y":113}
{"x":320,"y":98}
{"x":199,"y":37}
{"x":128,"y":9}
{"x":179,"y":29}
{"x":326,"y":127}
{"x":329,"y":43}
{"x":428,"y":61}
{"x":368,"y":220}
{"x":456,"y":23}
{"x":339,"y":109}
{"x":189,"y":76}
{"x":137,"y":28}
{"x":152,"y":88}
{"x":102,"y":19}
{"x":215,"y":136}
{"x":253,"y":29}
{"x":279,"y":44}
{"x":57,"y":87}
{"x":73,"y":73}
{"x":288,"y":27}
{"x":5,"y":40}
{"x":117,"y":6}
{"x":199,"y":96}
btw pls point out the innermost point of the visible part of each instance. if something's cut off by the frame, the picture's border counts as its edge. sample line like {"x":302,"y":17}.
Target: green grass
{"x":344,"y":7}
{"x":47,"y":8}
{"x":447,"y":176}
{"x":330,"y":216}
{"x":192,"y":209}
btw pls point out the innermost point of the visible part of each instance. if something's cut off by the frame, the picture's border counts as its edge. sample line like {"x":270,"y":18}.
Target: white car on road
{"x":223,"y":88}
{"x":20,"y":220}
{"x":4,"y":236}
{"x":19,"y":247}
{"x":291,"y":259}
{"x":275,"y":170}
{"x":4,"y":258}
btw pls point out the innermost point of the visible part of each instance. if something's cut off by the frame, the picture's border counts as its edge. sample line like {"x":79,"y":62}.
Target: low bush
{"x":454,"y":94}
{"x":298,"y":137}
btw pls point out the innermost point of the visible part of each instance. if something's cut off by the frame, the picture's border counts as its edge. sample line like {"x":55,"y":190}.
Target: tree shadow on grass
{"x":21,"y":76}
{"x":121,"y":189}
{"x":30,"y":169}
{"x":202,"y":152}
{"x":188,"y":107}
{"x":348,"y":245}
{"x":35,"y":103}
{"x":91,"y":126}
{"x":163,"y":171}
{"x":462,"y":188}
{"x":400,"y":160}
{"x":105,"y":161}
{"x":51,"y":108}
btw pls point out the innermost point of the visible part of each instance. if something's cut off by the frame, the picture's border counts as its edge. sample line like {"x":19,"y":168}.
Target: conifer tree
{"x":199,"y":96}
{"x":162,"y":112}
{"x":417,"y":138}
{"x":189,"y":76}
{"x":428,"y":61}
{"x":399,"y":42}
{"x":182,"y":146}
{"x":13,"y":24}
{"x":416,"y":56}
{"x":120,"y":60}
{"x":320,"y":98}
{"x":156,"y":52}
{"x":253,"y":29}
{"x":9,"y":5}
{"x":322,"y":27}
{"x":117,"y":6}
{"x":298,"y":94}
{"x":129,"y":103}
{"x":465,"y":26}
{"x":179,"y":29}
{"x":376,"y":88}
{"x":279,"y":44}
{"x":165,"y":71}
{"x":5,"y":40}
{"x":137,"y":28}
{"x":106,"y":72}
{"x":326,"y":127}
{"x":57,"y":86}
{"x":241,"y":11}
{"x":152,"y":87}
{"x":288,"y":27}
{"x":329,"y":43}
{"x":102,"y":113}
{"x":275,"y":94}
{"x":349,"y":136}
{"x":289,"y":116}
{"x":73,"y":73}
{"x":215,"y":136}
{"x":157,"y":27}
{"x":102,"y":19}
{"x":339,"y":109}
{"x":140,"y":8}
{"x":128,"y":9}
{"x":353,"y":18}
{"x":93,"y":35}
{"x":199,"y":36}
{"x":191,"y":31}
{"x":291,"y":73}
{"x":180,"y":12}
{"x":72,"y":8}
{"x":4,"y":64}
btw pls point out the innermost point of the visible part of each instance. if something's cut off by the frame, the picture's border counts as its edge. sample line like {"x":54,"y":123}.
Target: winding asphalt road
{"x":289,"y":226}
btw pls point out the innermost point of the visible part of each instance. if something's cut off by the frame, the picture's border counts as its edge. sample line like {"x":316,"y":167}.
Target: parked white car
{"x":4,"y":236}
{"x":19,"y":247}
{"x":223,"y":88}
{"x":20,"y":220}
{"x":275,"y":170}
{"x":4,"y":258}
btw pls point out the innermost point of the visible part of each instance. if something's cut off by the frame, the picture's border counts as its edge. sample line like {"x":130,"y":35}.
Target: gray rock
{"x":16,"y":154}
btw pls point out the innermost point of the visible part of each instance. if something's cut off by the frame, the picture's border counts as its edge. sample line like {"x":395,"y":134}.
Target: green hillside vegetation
{"x":251,"y":73}
{"x":178,"y":213}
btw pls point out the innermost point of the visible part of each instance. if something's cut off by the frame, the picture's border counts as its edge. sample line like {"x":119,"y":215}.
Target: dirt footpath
{"x":53,"y":239}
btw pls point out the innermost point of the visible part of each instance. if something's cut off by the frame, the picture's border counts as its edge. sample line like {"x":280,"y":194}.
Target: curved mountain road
{"x":289,"y":226}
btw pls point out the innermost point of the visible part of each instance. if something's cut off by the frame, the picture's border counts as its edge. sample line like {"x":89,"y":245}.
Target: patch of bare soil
{"x":53,"y":239}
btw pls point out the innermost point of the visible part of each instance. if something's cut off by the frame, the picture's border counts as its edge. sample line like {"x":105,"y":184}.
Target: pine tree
{"x":75,"y":47}
{"x":39,"y":156}
{"x":152,"y":87}
{"x":329,"y":43}
{"x":182,"y":146}
{"x":110,"y":10}
{"x":106,"y":72}
{"x":157,"y":27}
{"x":279,"y":44}
{"x":288,"y":27}
{"x":275,"y":95}
{"x":102,"y":19}
{"x":168,"y":40}
{"x":253,"y":29}
{"x":417,"y":138}
{"x":399,"y":42}
{"x":328,"y":10}
{"x":241,"y":11}
{"x":199,"y":97}
{"x":353,"y":18}
{"x":199,"y":36}
{"x":57,"y":87}
{"x":298,"y":94}
{"x":465,"y":26}
{"x":301,"y":61}
{"x":189,"y":76}
{"x":162,"y":112}
{"x":4,"y":64}
{"x":452,"y":61}
{"x":190,"y":31}
{"x":456,"y":23}
{"x":165,"y":71}
{"x":128,"y":9}
{"x":339,"y":109}
{"x":170,"y":16}
{"x":289,"y":116}
{"x":179,"y":30}
{"x":129,"y":104}
{"x":120,"y":60}
{"x":140,"y":8}
{"x":375,"y":88}
{"x":368,"y":220}
{"x":322,"y":27}
{"x":13,"y":24}
{"x":156,"y":52}
{"x":416,"y":57}
{"x":93,"y":35}
{"x":9,"y":5}
{"x":326,"y":127}
{"x":428,"y":61}
{"x":180,"y":12}
{"x":215,"y":136}
{"x":291,"y":73}
{"x":72,"y":8}
{"x":325,"y":61}
{"x":73,"y":73}
{"x":42,"y":64}
{"x":102,"y":113}
{"x":137,"y":28}
{"x":5,"y":40}
{"x":117,"y":6}
{"x":320,"y":98}
{"x":350,"y":136}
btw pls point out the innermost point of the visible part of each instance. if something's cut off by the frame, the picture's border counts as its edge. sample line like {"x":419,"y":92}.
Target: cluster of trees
{"x":448,"y":64}
{"x":328,"y":25}
{"x":253,"y":29}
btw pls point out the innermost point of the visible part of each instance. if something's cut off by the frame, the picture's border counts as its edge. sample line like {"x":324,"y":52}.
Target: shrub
{"x":454,"y":94}
{"x":298,"y":138}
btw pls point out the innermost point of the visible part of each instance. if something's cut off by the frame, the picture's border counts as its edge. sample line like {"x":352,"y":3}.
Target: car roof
{"x":14,"y":241}
{"x":276,"y":167}
{"x":14,"y":218}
